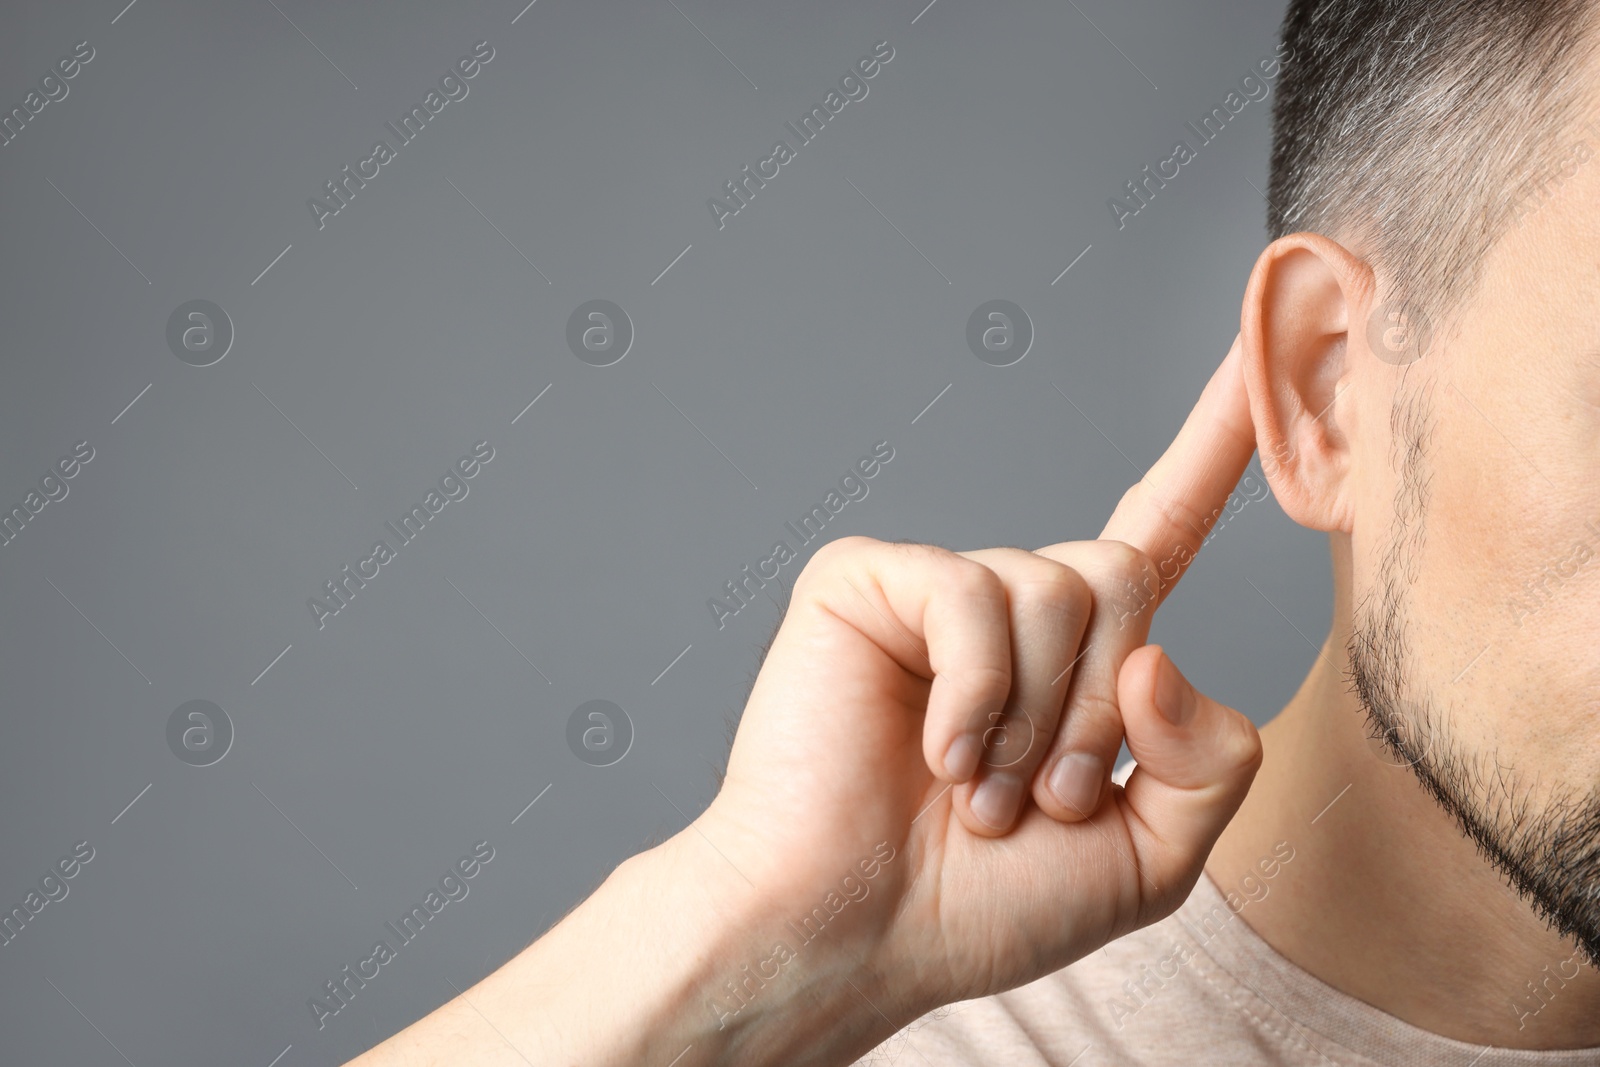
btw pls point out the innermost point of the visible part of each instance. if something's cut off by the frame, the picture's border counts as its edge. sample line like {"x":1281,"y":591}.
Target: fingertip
{"x":1075,"y":786}
{"x":1174,"y":697}
{"x":962,"y":805}
{"x":960,"y":759}
{"x":1139,"y":677}
{"x":996,"y":800}
{"x":1178,"y":734}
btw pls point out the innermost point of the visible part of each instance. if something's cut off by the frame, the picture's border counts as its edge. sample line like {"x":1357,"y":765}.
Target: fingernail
{"x":1174,"y":697}
{"x":961,"y":758}
{"x":995,"y":800}
{"x":1076,"y":781}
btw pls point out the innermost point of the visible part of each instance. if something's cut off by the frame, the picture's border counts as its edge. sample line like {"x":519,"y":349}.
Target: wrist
{"x":617,"y":981}
{"x":755,"y":987}
{"x":674,"y":959}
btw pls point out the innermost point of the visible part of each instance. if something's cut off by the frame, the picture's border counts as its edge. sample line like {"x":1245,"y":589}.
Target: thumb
{"x":1195,"y":759}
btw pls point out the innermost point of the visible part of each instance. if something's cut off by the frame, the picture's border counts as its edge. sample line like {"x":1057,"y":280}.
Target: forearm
{"x":662,"y":965}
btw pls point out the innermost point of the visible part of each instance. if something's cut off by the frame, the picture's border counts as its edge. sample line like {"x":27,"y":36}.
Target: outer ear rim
{"x":1357,"y":283}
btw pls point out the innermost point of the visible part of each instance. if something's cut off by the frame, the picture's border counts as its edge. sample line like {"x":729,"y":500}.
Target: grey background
{"x":377,"y":750}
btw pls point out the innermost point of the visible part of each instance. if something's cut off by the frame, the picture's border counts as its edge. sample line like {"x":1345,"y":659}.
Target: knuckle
{"x":1132,"y":497}
{"x":1127,"y":560}
{"x":833,"y":556}
{"x":848,"y":545}
{"x":970,"y":579}
{"x":1054,"y":579}
{"x":1094,"y":704}
{"x":984,"y":683}
{"x":1054,"y":587}
{"x":1179,"y":515}
{"x":1129,"y":584}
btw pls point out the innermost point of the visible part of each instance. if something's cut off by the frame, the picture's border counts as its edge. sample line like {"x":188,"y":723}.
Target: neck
{"x":1385,"y":899}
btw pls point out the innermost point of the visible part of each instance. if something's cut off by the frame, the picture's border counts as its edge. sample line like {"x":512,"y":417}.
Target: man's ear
{"x":1305,"y":294}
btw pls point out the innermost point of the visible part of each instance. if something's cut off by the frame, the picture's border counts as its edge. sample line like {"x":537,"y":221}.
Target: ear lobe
{"x":1295,"y":326}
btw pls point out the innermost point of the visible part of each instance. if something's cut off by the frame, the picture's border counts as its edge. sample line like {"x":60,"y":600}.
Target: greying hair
{"x":1404,"y":128}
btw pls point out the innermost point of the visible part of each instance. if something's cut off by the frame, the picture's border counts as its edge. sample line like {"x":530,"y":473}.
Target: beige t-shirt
{"x":1197,"y":988}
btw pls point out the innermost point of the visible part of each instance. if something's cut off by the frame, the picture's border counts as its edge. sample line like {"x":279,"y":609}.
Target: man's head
{"x":1422,"y":345}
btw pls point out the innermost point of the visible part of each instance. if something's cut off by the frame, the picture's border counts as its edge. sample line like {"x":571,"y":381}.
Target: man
{"x":918,"y":855}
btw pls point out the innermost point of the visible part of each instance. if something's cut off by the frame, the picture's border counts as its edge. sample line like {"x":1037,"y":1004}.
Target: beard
{"x":1547,"y":850}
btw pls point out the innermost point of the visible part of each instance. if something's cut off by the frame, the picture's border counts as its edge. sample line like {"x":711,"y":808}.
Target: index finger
{"x":1169,"y":512}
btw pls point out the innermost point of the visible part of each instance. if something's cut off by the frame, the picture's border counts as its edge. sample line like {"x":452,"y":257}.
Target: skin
{"x":889,"y":653}
{"x":1392,"y":904}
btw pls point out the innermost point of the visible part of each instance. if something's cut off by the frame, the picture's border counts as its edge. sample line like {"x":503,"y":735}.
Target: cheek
{"x":1506,"y":604}
{"x":1491,"y":520}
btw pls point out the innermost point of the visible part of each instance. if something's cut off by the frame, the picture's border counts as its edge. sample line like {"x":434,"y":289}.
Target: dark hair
{"x":1405,"y":128}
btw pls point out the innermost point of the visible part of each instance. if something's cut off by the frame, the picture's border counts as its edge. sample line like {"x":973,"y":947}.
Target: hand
{"x":893,"y":667}
{"x":851,"y":875}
